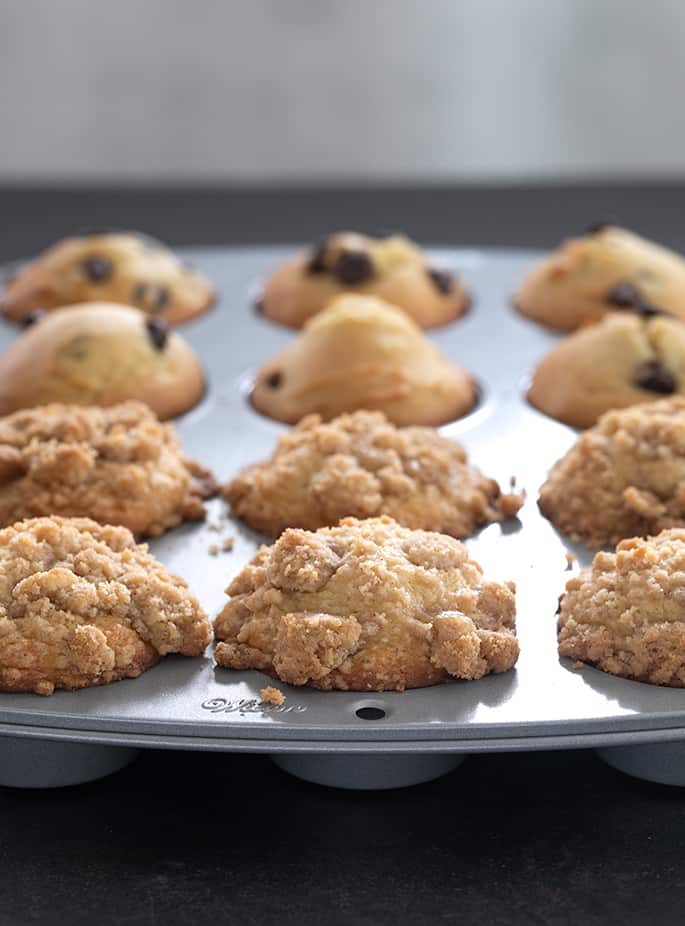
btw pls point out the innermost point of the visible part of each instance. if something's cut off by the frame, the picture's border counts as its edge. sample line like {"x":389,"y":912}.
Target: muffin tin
{"x":354,"y":739}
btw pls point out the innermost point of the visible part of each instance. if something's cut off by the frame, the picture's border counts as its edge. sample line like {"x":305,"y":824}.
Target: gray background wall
{"x":306,"y":90}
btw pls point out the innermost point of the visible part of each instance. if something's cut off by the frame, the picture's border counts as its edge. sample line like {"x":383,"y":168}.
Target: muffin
{"x":623,"y":360}
{"x":605,"y":269}
{"x":624,"y":477}
{"x":122,"y":268}
{"x":393,"y":269}
{"x":116,"y":465}
{"x":362,"y":465}
{"x":82,"y":605}
{"x":367,"y":606}
{"x":362,"y":353}
{"x":100,"y":354}
{"x":626,"y":615}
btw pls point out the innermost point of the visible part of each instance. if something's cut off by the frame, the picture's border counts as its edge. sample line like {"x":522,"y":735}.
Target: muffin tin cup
{"x":372,"y":772}
{"x":372,"y":739}
{"x":41,"y":763}
{"x":663,"y":763}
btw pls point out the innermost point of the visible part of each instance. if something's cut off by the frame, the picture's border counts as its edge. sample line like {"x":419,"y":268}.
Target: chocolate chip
{"x":625,"y":295}
{"x":139,"y":291}
{"x":653,"y":376}
{"x":595,"y":227}
{"x":97,"y":269}
{"x":317,"y":262}
{"x":442,"y":279}
{"x":158,"y":332}
{"x":353,"y":267}
{"x":161,"y":298}
{"x":649,"y":311}
{"x":274,"y":380}
{"x":33,"y":317}
{"x":151,"y":295}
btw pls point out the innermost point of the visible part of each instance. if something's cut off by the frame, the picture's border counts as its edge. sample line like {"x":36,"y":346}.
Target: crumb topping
{"x":362,"y":465}
{"x":82,"y":604}
{"x":367,"y":605}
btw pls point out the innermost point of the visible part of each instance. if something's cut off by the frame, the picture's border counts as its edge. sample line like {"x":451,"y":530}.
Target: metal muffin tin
{"x":363,"y":740}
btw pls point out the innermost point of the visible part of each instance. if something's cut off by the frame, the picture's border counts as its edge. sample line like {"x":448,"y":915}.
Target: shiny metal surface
{"x":543,"y":699}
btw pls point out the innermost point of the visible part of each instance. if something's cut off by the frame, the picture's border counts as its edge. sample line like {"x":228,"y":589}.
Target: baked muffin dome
{"x":623,"y":360}
{"x":360,"y":464}
{"x":100,"y":354}
{"x":123,"y":268}
{"x":116,"y":465}
{"x":607,"y":268}
{"x":624,"y":477}
{"x":363,"y":353}
{"x":393,"y":269}
{"x":82,"y":605}
{"x":626,"y":615}
{"x":367,"y":606}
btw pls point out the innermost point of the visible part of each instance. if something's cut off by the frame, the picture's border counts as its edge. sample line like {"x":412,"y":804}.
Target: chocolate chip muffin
{"x":624,"y":477}
{"x":82,"y":605}
{"x":626,"y":615}
{"x":123,"y":268}
{"x":623,"y":360}
{"x":100,"y":354}
{"x":362,"y":465}
{"x":363,"y":353}
{"x":393,"y":269}
{"x":367,"y":606}
{"x":116,"y":465}
{"x":606,"y":269}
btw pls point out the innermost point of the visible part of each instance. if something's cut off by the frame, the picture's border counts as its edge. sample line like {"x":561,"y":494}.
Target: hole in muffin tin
{"x":370,"y":712}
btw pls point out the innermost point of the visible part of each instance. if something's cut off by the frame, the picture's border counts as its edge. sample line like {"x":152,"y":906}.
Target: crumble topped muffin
{"x":626,"y":614}
{"x":363,"y":353}
{"x":624,"y":477}
{"x":362,"y":465}
{"x":393,"y":269}
{"x":623,"y":360}
{"x":118,"y":267}
{"x":605,"y":269}
{"x":100,"y":354}
{"x":82,"y":605}
{"x":367,"y":606}
{"x":117,"y":465}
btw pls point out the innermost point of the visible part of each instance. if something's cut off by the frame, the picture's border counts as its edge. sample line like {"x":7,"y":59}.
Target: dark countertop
{"x":546,"y":838}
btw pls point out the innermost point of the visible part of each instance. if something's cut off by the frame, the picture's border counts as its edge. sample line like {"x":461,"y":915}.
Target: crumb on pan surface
{"x":367,"y":606}
{"x":271,"y":695}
